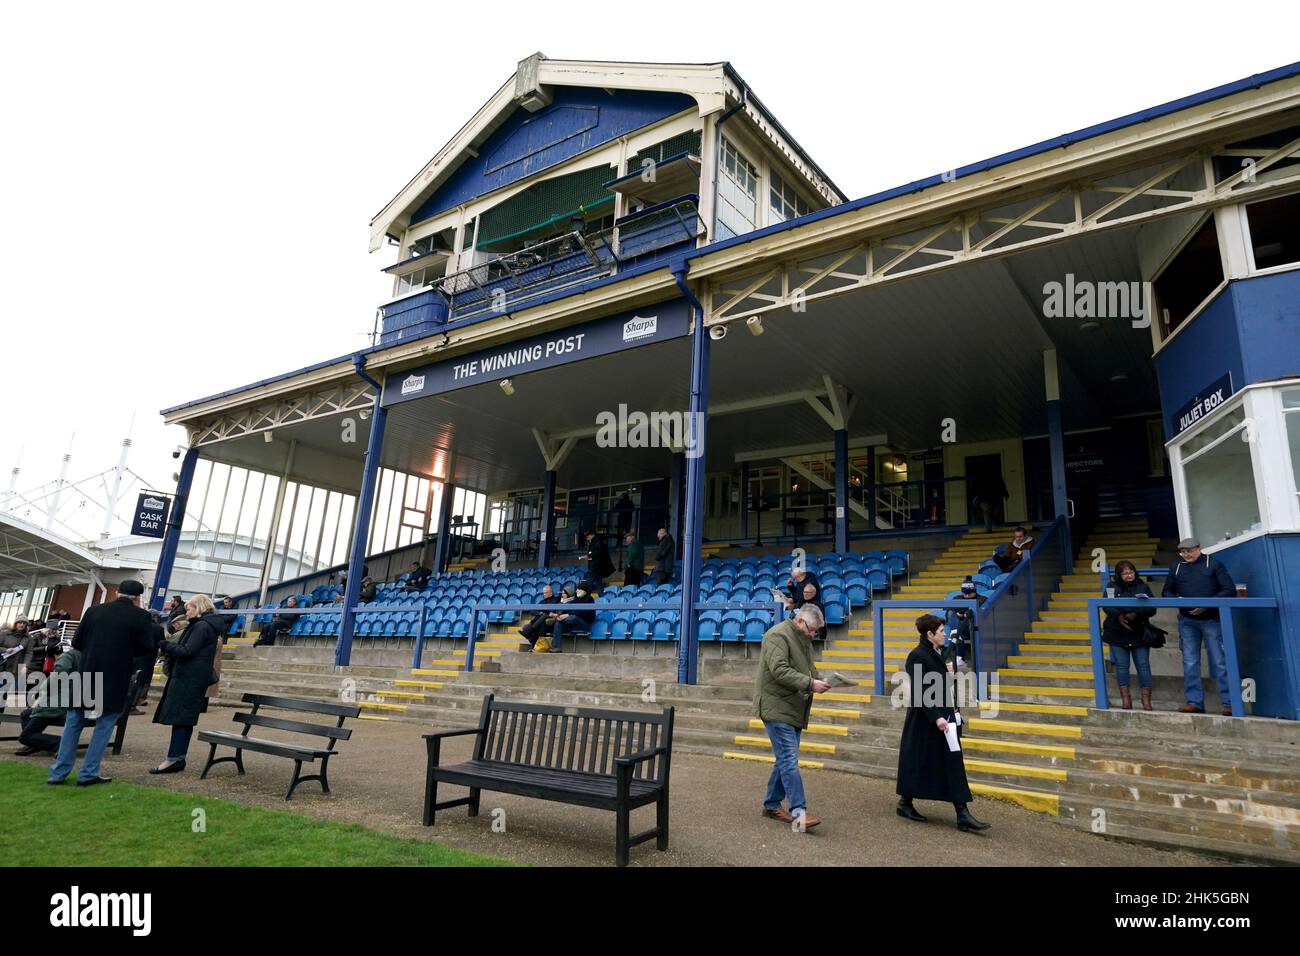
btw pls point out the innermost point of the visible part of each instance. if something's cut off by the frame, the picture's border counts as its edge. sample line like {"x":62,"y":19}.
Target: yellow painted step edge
{"x":765,"y":758}
{"x":809,"y":746}
{"x":1015,"y":769}
{"x":1018,"y":747}
{"x":1073,"y":731}
{"x":829,"y":730}
{"x":1049,"y":803}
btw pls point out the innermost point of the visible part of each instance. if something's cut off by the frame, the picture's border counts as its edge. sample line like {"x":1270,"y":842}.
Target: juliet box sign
{"x":1201,"y":404}
{"x":614,"y":333}
{"x":151,"y":511}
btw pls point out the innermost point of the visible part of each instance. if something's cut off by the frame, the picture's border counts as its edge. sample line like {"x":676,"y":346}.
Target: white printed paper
{"x":951,"y":733}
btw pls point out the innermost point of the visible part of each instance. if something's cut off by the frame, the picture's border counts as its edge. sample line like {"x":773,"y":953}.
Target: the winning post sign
{"x":614,"y":333}
{"x":151,"y":515}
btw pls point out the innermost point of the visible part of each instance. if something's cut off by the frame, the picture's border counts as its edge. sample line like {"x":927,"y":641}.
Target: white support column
{"x":117,"y":488}
{"x":265,"y":583}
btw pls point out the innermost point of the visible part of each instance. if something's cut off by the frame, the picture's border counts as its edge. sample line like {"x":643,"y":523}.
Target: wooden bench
{"x":607,"y":759}
{"x":299,"y":753}
{"x":119,"y":735}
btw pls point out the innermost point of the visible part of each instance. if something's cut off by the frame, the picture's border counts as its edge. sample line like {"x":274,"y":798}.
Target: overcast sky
{"x":185,"y":189}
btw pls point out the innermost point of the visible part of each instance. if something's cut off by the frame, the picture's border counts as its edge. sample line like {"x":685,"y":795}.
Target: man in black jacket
{"x":418,"y":577}
{"x":599,"y":565}
{"x":542,"y":621}
{"x":1199,"y":575}
{"x":110,"y":637}
{"x":664,"y":557}
{"x":569,"y":621}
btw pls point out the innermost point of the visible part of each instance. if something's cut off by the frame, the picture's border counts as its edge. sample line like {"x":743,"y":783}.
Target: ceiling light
{"x":268,"y":437}
{"x":755,"y":325}
{"x":1089,"y":325}
{"x":507,"y":386}
{"x":1119,"y":377}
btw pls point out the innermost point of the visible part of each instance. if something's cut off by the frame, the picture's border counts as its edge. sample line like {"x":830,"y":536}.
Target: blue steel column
{"x":171,"y":542}
{"x":744,"y":500}
{"x":676,"y":493}
{"x":688,"y":649}
{"x":546,"y":540}
{"x":361,"y":531}
{"x":442,"y":548}
{"x":841,"y":489}
{"x":1056,"y":444}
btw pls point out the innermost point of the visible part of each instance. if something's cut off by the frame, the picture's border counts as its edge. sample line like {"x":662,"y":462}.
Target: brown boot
{"x":1146,"y":698}
{"x":1126,"y":696}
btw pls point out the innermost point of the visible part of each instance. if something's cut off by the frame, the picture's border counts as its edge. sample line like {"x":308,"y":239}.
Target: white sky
{"x":185,"y":191}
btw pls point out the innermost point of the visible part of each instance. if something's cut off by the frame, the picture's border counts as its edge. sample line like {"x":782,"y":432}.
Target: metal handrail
{"x":878,"y":629}
{"x":597,"y":606}
{"x":1101,"y":697}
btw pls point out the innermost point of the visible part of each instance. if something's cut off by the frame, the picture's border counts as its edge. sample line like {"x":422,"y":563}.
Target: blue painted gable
{"x":579,"y":119}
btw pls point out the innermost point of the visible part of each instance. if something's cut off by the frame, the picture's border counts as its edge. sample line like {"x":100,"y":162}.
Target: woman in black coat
{"x":1125,"y":630}
{"x":927,"y":768}
{"x":185,"y":696}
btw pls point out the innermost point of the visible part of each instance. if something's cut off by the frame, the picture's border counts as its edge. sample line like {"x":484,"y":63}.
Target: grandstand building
{"x":1099,"y":333}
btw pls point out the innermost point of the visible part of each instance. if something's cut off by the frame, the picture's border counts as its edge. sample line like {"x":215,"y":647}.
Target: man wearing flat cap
{"x":1195,"y":575}
{"x":109,"y":637}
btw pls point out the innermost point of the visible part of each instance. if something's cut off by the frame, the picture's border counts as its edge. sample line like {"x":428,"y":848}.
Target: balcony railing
{"x":509,"y":281}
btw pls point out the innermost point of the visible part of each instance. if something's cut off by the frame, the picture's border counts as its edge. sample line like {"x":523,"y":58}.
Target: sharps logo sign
{"x":412,"y":383}
{"x":76,"y":909}
{"x":640,"y":327}
{"x":155,"y":503}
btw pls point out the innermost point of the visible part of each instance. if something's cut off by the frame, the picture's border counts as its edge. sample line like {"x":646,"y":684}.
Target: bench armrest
{"x":642,"y":757}
{"x":453,"y":733}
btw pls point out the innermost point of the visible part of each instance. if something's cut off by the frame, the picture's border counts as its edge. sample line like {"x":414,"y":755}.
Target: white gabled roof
{"x":709,"y":84}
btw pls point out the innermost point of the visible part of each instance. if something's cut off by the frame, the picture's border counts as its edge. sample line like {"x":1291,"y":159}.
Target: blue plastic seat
{"x":710,"y":625}
{"x":836,"y":611}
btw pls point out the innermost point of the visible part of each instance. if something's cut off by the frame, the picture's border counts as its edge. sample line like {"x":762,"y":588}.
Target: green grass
{"x":126,"y":824}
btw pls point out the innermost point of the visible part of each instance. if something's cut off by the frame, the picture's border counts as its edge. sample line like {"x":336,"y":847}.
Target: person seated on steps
{"x":542,"y":621}
{"x":568,"y":622}
{"x":1011,"y":555}
{"x":1131,"y":635}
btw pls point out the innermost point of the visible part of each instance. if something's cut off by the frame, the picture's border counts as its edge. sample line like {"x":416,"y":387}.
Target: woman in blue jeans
{"x":1125,"y":630}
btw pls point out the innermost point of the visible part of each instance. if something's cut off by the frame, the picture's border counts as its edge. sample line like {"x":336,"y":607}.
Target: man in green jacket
{"x":633,"y":560}
{"x":783,"y":697}
{"x":34,"y":720}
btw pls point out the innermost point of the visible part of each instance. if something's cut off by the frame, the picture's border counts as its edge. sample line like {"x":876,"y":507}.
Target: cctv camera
{"x":176,"y":453}
{"x":718,"y":333}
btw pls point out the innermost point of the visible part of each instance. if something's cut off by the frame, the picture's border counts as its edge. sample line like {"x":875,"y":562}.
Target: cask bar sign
{"x":151,"y":510}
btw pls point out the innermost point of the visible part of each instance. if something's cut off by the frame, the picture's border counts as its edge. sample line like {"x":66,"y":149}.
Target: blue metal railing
{"x":1101,"y":698}
{"x":878,"y":609}
{"x":596,"y":606}
{"x":1015,"y":604}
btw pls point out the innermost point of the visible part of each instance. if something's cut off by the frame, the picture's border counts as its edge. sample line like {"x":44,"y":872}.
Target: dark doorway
{"x":984,"y":482}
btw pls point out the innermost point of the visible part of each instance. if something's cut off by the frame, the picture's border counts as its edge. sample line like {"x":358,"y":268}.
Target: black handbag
{"x":1153,"y":636}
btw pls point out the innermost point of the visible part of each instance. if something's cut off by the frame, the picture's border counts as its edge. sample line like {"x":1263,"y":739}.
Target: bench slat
{"x":261,"y":745}
{"x":296,"y":726}
{"x":308,"y":706}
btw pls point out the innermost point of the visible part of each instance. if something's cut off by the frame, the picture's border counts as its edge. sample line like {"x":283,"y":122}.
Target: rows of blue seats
{"x":848,"y":579}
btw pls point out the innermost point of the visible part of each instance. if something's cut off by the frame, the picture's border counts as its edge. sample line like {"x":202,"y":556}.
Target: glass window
{"x":785,"y":203}
{"x":1275,"y":231}
{"x":1221,"y":499}
{"x":1291,"y":416}
{"x":1189,"y":278}
{"x":737,"y":193}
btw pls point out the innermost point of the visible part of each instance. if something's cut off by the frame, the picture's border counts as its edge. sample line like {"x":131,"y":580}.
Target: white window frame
{"x":1244,"y":220}
{"x":787,"y":189}
{"x":756,"y":195}
{"x":1276,"y":492}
